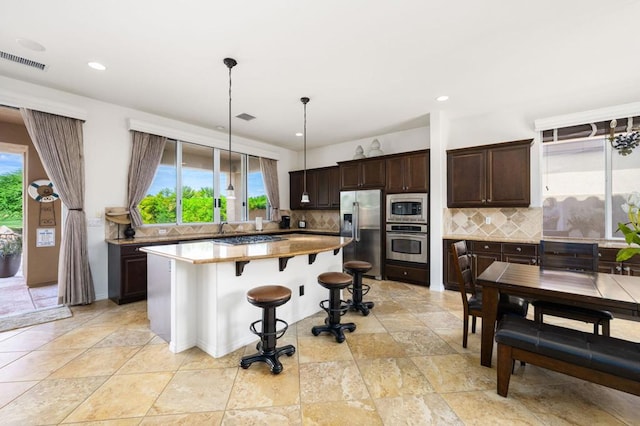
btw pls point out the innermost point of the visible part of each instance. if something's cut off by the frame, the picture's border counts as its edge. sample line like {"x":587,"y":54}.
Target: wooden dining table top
{"x":619,"y":294}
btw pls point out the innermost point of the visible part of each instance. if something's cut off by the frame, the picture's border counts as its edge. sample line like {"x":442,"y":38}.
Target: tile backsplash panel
{"x":505,"y":223}
{"x":326,"y":220}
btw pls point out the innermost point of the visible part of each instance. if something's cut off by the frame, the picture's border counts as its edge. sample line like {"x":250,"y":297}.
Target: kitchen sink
{"x":247,"y":239}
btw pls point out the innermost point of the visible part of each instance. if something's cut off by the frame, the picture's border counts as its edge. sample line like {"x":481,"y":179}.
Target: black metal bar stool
{"x":357,"y":268}
{"x":268,"y":297}
{"x":334,"y":306}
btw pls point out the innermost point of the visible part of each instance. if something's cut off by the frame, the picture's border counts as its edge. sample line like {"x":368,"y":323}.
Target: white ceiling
{"x":369,"y":66}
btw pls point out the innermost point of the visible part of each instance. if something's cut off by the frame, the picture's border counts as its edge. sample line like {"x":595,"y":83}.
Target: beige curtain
{"x":269,"y":169}
{"x":58,"y":141}
{"x":146,"y":153}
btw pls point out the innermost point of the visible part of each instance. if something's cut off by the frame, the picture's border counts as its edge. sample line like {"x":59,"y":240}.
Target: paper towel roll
{"x":258,"y":223}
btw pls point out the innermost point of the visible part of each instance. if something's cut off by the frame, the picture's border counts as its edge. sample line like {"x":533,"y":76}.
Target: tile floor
{"x":403,"y":365}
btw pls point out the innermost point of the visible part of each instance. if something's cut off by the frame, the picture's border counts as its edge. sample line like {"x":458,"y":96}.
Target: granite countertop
{"x":212,"y":252}
{"x":188,"y":237}
{"x":601,"y":243}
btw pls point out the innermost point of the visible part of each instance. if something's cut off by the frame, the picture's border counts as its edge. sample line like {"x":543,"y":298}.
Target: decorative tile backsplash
{"x":505,"y":223}
{"x":326,"y":220}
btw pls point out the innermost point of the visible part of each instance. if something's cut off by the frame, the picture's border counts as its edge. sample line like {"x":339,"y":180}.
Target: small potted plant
{"x":10,"y":253}
{"x":631,"y":229}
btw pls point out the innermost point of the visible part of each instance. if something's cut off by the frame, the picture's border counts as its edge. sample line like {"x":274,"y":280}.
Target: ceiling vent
{"x":244,"y":116}
{"x":22,"y":61}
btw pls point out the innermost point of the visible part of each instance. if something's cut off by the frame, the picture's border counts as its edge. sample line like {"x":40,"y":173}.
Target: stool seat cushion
{"x":334,"y":279}
{"x":357,"y":265}
{"x":268,"y":295}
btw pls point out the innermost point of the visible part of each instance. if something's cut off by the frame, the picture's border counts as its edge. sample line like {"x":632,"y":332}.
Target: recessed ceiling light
{"x":97,"y":66}
{"x":442,"y":98}
{"x":30,"y":44}
{"x":299,"y":134}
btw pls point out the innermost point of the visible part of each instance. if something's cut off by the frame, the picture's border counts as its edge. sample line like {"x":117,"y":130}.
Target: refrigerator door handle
{"x":356,"y":221}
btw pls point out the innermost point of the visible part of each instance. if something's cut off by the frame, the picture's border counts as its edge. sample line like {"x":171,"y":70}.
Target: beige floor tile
{"x":37,"y":365}
{"x":563,"y":404}
{"x":190,"y":419}
{"x":122,"y":396}
{"x":429,"y":409}
{"x":257,"y":387}
{"x":456,"y":373}
{"x":385,"y":307}
{"x":487,"y":407}
{"x":268,"y":416}
{"x":364,"y":324}
{"x":153,"y":358}
{"x":97,"y":362}
{"x":420,"y":343}
{"x":28,"y":340}
{"x":83,"y":337}
{"x":390,"y":377}
{"x":11,"y":390}
{"x":9,"y":357}
{"x":195,"y":391}
{"x":376,"y":345}
{"x":400,"y":322}
{"x":197,"y":359}
{"x":623,"y":406}
{"x":352,"y":413}
{"x":127,"y":336}
{"x":331,"y":381}
{"x":453,"y":337}
{"x":50,"y":401}
{"x":319,"y":349}
{"x":441,"y":319}
{"x":134,"y":421}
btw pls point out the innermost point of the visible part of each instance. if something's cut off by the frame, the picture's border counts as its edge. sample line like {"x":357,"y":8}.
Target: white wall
{"x":107,"y":149}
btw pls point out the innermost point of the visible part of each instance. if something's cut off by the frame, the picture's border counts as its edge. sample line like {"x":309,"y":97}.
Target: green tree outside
{"x":11,"y":199}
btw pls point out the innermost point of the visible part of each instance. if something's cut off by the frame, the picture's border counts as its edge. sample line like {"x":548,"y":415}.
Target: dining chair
{"x":577,"y":257}
{"x":472,"y":296}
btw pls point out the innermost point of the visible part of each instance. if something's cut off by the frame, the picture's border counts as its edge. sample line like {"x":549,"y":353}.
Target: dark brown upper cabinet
{"x":323,"y":187}
{"x":490,"y":176}
{"x":362,"y":174}
{"x":408,"y":173}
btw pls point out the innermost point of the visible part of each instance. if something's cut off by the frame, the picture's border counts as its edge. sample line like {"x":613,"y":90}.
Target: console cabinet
{"x":408,"y":173}
{"x":484,"y":253}
{"x":407,"y":272}
{"x":608,"y":264}
{"x":127,"y":269}
{"x":489,"y":176}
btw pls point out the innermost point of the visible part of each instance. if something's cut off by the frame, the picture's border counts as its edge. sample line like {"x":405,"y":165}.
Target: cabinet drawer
{"x":129,"y":249}
{"x":485,"y":247}
{"x":519,"y":249}
{"x":607,"y":254}
{"x":408,"y":274}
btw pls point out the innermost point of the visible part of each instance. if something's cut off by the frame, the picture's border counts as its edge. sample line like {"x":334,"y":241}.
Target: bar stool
{"x":268,"y":297}
{"x":334,"y":307}
{"x":357,"y":268}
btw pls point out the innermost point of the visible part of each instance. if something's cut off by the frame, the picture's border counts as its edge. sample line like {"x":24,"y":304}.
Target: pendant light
{"x":305,"y":194}
{"x":230,"y":63}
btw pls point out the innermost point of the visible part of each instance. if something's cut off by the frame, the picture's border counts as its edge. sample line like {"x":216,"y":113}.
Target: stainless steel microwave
{"x":408,"y":207}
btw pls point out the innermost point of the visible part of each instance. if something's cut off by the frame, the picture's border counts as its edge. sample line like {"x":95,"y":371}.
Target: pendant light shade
{"x":305,"y":194}
{"x":230,"y":63}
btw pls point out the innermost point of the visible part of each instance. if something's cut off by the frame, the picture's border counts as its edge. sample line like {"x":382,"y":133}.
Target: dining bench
{"x":604,"y":360}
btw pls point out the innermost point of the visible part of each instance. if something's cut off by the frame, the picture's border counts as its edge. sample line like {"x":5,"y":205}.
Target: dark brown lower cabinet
{"x":407,"y":272}
{"x":127,"y":268}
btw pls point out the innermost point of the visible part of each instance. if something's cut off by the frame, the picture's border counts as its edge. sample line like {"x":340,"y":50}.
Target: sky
{"x":10,"y":162}
{"x":196,"y":179}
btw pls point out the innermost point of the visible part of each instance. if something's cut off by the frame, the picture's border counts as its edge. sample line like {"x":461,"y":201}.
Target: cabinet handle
{"x":486,"y":247}
{"x":627,"y":269}
{"x":484,"y":201}
{"x":599,"y":254}
{"x":518,"y":249}
{"x":533,"y":261}
{"x":404,"y":273}
{"x":488,"y":200}
{"x":618,"y":268}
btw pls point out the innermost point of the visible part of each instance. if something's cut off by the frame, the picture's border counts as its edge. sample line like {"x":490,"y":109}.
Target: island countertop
{"x":213,"y":252}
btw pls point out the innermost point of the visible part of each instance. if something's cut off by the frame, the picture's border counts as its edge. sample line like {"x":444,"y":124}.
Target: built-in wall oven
{"x":407,"y":242}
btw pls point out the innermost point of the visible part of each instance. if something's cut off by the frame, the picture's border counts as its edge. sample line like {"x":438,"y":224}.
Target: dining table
{"x":618,"y":294}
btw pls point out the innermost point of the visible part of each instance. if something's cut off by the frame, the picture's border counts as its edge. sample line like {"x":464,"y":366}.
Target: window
{"x":584,"y":183}
{"x":190,"y":183}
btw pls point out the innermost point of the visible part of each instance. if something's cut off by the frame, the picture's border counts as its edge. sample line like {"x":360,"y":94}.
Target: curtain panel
{"x":269,"y":169}
{"x":58,"y":141}
{"x":146,"y":153}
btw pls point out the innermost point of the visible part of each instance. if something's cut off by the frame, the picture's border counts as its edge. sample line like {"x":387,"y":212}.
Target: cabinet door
{"x":466,"y":178}
{"x":631,"y":267}
{"x":416,"y":176}
{"x":134,"y":277}
{"x":295,"y":189}
{"x":450,"y":276}
{"x":372,"y":173}
{"x":323,"y":186}
{"x":350,"y":176}
{"x":334,"y":187}
{"x":508,"y":182}
{"x":395,"y":175}
{"x":482,"y":261}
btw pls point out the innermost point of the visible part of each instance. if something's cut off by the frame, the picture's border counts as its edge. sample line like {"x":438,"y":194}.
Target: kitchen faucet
{"x":221,"y":227}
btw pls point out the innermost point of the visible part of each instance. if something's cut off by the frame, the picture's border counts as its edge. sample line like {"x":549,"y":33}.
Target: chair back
{"x":569,"y":256}
{"x":462,"y":264}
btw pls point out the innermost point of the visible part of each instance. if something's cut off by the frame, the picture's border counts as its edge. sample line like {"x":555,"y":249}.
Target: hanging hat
{"x":118,"y":215}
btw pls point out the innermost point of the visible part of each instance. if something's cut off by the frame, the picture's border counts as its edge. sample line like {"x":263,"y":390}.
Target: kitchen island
{"x":197,"y":291}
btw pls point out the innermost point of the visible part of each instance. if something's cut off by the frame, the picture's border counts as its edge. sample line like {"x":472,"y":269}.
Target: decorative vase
{"x":9,"y":265}
{"x":359,"y":153}
{"x":129,"y":232}
{"x":375,"y":149}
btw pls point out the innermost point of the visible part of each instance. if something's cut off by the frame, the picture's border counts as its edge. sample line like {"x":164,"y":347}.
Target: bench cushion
{"x":561,"y":310}
{"x":608,"y":354}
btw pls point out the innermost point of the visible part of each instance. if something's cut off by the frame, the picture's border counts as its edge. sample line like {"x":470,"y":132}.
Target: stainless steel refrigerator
{"x":360,"y":218}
